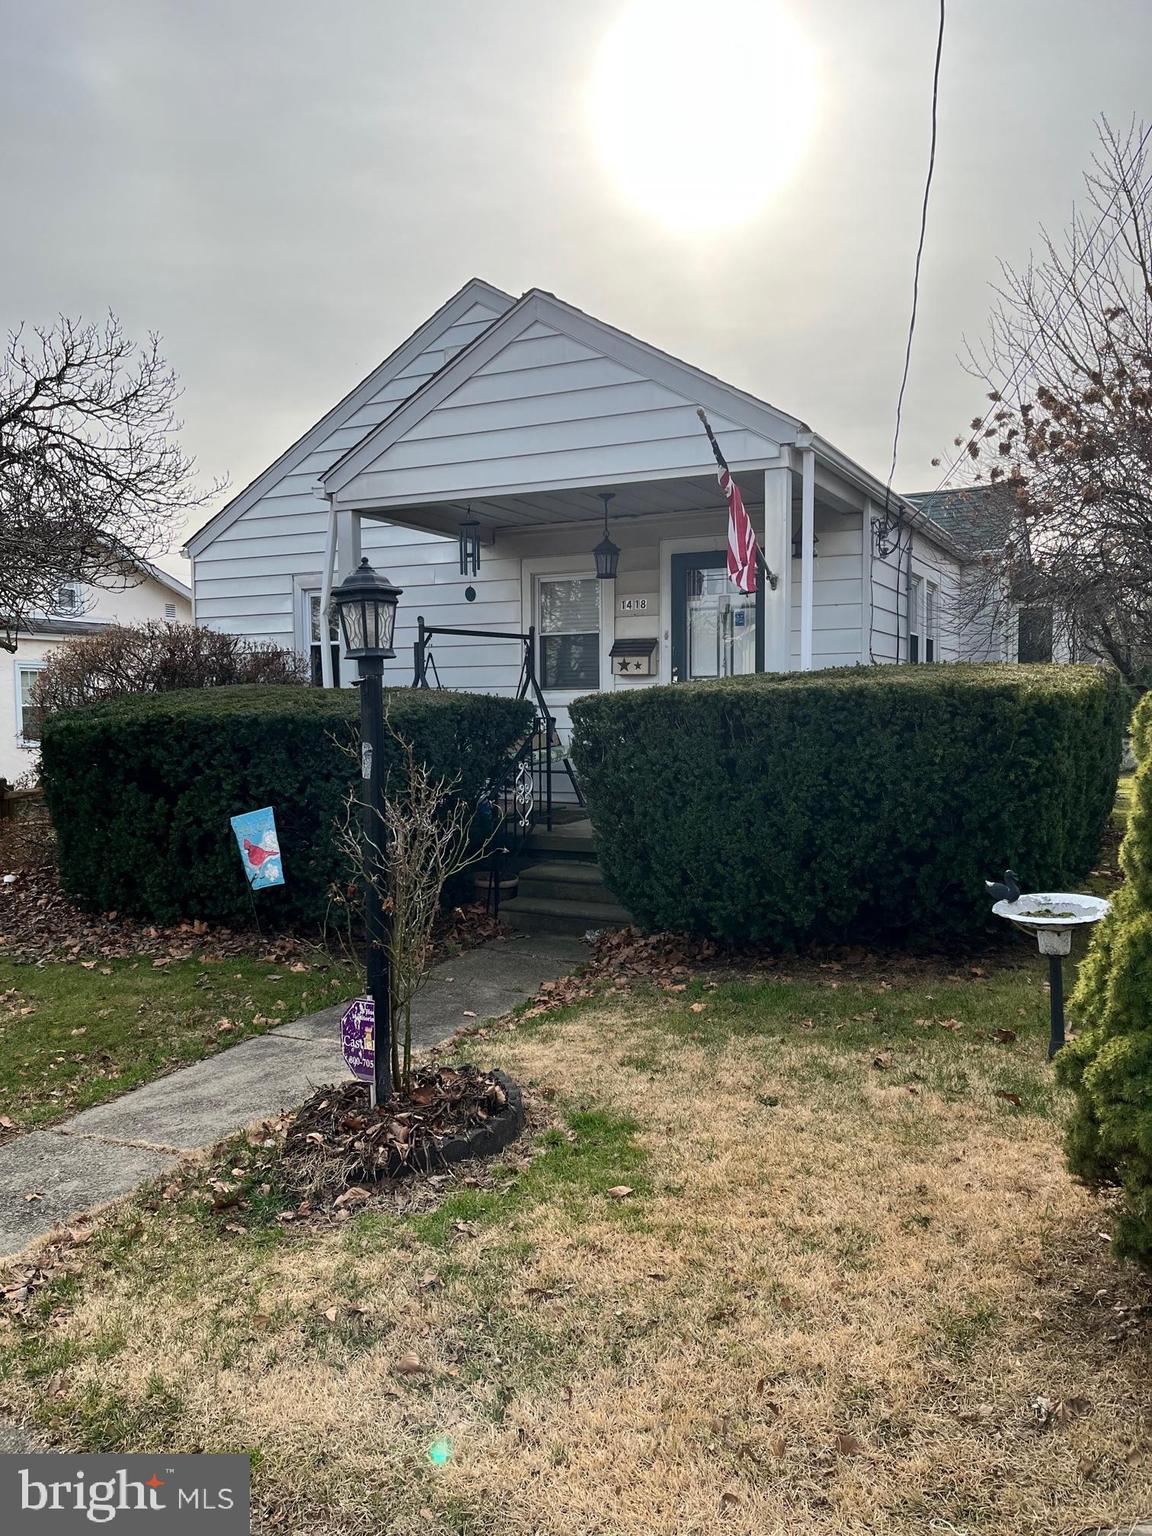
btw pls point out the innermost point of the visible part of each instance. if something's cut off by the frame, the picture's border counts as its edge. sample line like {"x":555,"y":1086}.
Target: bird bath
{"x":1051,"y":917}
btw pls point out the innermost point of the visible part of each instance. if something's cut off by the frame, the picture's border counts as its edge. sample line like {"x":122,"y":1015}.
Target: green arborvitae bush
{"x":864,"y":802}
{"x":1108,"y":1065}
{"x":141,"y":789}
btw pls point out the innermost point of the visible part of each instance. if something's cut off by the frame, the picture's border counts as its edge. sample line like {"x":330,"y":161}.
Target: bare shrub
{"x":157,"y":658}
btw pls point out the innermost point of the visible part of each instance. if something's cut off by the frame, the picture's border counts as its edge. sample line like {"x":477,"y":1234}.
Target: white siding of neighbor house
{"x":138,"y":604}
{"x":546,"y":410}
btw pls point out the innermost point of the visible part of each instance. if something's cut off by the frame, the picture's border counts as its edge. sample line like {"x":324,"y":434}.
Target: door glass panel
{"x":569,"y":633}
{"x":721,"y":629}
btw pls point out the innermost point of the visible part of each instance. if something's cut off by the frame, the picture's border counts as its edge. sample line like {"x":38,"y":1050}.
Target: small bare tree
{"x":1066,"y":445}
{"x":92,"y":478}
{"x":425,"y":838}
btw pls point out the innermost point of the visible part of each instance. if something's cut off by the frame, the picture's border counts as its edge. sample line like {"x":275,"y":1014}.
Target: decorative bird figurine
{"x":1007,"y":889}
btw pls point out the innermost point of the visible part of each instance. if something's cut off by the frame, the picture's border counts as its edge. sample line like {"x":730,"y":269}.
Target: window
{"x":569,"y":633}
{"x":915,"y":618}
{"x":931,"y":620}
{"x":169,"y":612}
{"x":69,"y":599}
{"x":28,"y":716}
{"x":312,"y":600}
{"x":1034,"y":637}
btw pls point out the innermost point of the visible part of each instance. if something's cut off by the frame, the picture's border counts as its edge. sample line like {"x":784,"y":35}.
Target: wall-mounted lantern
{"x":606,"y":554}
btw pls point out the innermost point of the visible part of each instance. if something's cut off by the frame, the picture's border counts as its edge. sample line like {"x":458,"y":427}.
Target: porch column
{"x":326,"y":678}
{"x":347,"y":559}
{"x":777,"y":547}
{"x":807,"y":556}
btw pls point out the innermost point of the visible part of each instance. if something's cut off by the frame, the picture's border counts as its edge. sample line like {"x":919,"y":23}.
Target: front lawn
{"x":794,"y":1251}
{"x":75,"y":1034}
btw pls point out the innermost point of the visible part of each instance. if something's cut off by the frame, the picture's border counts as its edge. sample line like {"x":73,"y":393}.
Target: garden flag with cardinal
{"x":259,"y":848}
{"x":743,"y":551}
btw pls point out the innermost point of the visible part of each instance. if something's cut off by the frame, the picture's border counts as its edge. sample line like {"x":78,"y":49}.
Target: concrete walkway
{"x":48,"y":1178}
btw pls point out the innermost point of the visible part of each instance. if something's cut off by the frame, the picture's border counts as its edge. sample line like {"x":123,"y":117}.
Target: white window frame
{"x":916,"y":618}
{"x":564,"y":568}
{"x":20,"y":666}
{"x":72,"y":609}
{"x":308,"y":588}
{"x":931,"y":621}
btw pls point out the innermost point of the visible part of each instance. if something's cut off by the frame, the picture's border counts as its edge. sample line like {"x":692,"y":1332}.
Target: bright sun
{"x":701,"y":111}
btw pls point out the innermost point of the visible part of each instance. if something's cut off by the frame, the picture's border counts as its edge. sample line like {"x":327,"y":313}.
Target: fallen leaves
{"x":619,"y":1191}
{"x":410,"y":1364}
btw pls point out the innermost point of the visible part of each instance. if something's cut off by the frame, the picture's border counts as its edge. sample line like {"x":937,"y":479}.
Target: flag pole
{"x":769,"y":574}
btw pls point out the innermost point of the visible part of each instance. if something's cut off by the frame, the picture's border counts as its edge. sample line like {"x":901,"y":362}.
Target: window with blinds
{"x":569,"y":633}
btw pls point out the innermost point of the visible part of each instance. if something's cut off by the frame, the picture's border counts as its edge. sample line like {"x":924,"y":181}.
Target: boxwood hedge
{"x":1108,"y":1063}
{"x":141,"y":789}
{"x":863,"y":802}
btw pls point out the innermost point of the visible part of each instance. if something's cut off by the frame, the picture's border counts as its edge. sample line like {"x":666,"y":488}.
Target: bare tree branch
{"x":92,"y":478}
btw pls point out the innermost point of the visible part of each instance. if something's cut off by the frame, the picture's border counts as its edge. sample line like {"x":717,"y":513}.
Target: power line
{"x":867,"y":533}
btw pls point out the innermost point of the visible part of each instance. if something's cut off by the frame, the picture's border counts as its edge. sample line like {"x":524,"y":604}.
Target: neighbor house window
{"x":569,"y":633}
{"x":1034,"y":639}
{"x":916,"y":619}
{"x":931,"y":621}
{"x":312,"y":599}
{"x":69,"y":599}
{"x":28,"y":715}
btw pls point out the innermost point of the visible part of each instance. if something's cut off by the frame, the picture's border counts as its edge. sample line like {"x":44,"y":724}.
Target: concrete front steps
{"x":560,"y":889}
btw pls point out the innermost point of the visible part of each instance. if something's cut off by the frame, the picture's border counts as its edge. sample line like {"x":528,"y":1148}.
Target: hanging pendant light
{"x":606,"y":554}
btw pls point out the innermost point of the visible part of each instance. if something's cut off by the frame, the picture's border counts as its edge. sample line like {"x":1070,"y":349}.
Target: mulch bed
{"x":38,"y":922}
{"x":336,"y":1139}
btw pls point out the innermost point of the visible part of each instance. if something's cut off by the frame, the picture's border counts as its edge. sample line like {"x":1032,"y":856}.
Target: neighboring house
{"x":515,"y":415}
{"x":992,"y":625}
{"x":80,"y":610}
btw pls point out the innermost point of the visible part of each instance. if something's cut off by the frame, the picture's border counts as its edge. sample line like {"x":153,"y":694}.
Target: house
{"x":995,"y":623}
{"x":472,"y":465}
{"x":80,"y":609}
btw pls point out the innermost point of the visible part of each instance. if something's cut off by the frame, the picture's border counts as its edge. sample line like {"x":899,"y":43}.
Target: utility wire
{"x":911,"y":334}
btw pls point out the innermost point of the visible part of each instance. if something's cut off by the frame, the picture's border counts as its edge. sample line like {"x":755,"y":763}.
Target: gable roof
{"x":173,"y":583}
{"x":476,"y":290}
{"x":540,"y":308}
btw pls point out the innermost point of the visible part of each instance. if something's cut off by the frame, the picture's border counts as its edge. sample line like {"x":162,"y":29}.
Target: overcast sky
{"x":285,"y":189}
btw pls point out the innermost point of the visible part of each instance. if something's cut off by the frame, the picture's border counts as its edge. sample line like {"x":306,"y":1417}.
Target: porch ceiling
{"x":579,"y":504}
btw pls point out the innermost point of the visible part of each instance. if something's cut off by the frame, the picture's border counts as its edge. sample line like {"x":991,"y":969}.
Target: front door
{"x":716,"y":630}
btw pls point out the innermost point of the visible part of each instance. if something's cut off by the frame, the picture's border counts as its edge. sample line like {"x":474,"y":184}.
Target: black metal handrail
{"x":535,"y":757}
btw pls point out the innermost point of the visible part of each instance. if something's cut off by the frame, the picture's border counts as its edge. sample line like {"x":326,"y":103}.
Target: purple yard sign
{"x":358,"y":1039}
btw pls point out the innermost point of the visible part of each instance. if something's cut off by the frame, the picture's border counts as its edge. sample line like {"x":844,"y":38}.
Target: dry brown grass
{"x":857,"y":1309}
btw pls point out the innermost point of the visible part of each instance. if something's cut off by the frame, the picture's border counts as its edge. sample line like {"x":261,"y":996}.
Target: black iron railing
{"x":521,"y":792}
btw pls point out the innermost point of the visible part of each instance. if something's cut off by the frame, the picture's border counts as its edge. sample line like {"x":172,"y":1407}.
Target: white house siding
{"x":247,"y":579}
{"x":546,"y":410}
{"x":138,"y":604}
{"x":886,"y":636}
{"x":837,"y":591}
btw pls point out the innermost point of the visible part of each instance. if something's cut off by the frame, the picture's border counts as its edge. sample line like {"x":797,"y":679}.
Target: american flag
{"x":743,"y":551}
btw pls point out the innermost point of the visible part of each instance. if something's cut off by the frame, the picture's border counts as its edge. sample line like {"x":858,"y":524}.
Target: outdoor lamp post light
{"x":366,"y":603}
{"x":606,"y":554}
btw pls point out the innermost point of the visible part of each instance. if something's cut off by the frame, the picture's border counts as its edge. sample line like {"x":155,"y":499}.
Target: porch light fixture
{"x":366,"y":604}
{"x":470,"y":546}
{"x":606,"y":554}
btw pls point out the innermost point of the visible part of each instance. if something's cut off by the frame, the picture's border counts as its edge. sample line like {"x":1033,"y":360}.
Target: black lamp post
{"x":606,"y":554}
{"x":366,"y":603}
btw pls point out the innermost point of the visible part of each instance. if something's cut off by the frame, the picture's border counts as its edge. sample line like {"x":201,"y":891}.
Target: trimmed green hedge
{"x":141,"y":789}
{"x":1108,"y":1065}
{"x":863,"y":802}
